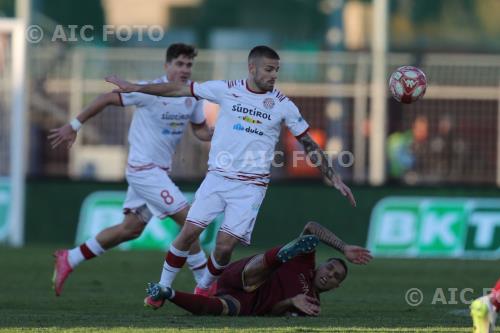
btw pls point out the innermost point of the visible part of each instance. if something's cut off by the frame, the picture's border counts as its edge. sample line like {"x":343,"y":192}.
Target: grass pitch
{"x":106,"y":294}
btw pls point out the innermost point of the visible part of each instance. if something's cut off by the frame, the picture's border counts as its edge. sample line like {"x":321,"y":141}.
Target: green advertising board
{"x":435,"y":227}
{"x":4,"y":208}
{"x":104,"y":209}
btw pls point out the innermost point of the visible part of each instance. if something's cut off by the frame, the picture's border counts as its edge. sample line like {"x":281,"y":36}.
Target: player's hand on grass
{"x":123,"y":85}
{"x":344,"y":190}
{"x":357,"y":254}
{"x":306,"y":304}
{"x":62,"y":134}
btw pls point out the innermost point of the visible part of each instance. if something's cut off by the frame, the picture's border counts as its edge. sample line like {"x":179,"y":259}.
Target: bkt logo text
{"x":446,"y":227}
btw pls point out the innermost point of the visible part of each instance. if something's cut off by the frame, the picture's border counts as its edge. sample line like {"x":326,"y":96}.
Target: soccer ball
{"x":407,"y":84}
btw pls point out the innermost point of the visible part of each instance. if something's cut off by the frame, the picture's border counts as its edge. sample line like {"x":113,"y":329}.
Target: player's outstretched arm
{"x":169,"y":89}
{"x":67,"y":133}
{"x":353,"y":253}
{"x":306,"y":304}
{"x":318,"y":157}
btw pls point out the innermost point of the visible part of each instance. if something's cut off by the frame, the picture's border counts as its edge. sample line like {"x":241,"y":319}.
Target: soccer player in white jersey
{"x":157,"y":126}
{"x":246,"y":132}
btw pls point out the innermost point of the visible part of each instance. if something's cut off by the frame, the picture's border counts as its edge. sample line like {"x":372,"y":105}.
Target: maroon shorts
{"x":230,"y":287}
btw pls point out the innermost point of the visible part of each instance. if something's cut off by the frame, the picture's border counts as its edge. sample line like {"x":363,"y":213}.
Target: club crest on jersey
{"x":188,"y":102}
{"x":268,"y":103}
{"x":250,"y":120}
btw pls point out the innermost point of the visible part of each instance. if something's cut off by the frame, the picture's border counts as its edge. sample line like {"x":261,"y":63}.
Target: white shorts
{"x":240,"y":202}
{"x":154,"y":188}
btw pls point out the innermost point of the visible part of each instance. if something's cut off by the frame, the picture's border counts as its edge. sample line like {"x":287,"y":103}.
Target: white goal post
{"x":14,"y":223}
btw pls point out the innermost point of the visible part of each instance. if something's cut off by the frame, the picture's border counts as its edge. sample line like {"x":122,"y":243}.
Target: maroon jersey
{"x":290,"y":279}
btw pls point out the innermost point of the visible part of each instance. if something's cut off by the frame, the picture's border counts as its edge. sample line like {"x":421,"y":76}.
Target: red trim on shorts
{"x":255,"y":92}
{"x":147,"y":167}
{"x":241,"y":239}
{"x":175,"y":261}
{"x":198,"y":224}
{"x":87,"y":253}
{"x":191,"y":87}
{"x":165,"y":214}
{"x":121,"y":100}
{"x":298,"y":137}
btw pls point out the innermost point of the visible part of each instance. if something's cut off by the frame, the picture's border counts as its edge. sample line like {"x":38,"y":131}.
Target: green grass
{"x":106,"y":295}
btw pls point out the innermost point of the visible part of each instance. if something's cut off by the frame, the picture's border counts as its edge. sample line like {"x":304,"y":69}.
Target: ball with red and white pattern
{"x":408,"y":84}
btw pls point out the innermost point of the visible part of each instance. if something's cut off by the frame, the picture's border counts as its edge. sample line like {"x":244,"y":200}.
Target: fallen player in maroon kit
{"x":283,"y":280}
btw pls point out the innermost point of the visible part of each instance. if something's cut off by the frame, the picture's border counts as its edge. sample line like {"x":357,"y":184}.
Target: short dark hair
{"x":342,"y":262}
{"x":178,"y":49}
{"x":263,"y":51}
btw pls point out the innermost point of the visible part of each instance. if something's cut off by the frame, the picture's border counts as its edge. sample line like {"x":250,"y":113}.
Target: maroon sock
{"x":87,"y":253}
{"x":175,"y":261}
{"x":270,"y":257}
{"x":198,"y":304}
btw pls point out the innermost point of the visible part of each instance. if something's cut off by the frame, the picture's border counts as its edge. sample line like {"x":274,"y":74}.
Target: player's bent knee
{"x":230,"y":305}
{"x":188,"y":234}
{"x":224,"y":248}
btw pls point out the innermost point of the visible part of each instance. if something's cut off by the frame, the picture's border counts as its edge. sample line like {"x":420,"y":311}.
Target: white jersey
{"x":247,"y":128}
{"x":157,"y":126}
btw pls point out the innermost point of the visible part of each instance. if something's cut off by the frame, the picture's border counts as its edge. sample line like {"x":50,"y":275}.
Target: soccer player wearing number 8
{"x":246,"y":133}
{"x":157,"y":127}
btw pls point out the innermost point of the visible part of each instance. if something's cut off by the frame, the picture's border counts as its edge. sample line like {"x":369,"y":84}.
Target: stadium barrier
{"x":53,"y":208}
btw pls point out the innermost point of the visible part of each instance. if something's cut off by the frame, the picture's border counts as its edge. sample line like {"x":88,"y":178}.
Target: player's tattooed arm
{"x":169,"y":89}
{"x":353,"y":253}
{"x":324,"y":235}
{"x":319,"y":158}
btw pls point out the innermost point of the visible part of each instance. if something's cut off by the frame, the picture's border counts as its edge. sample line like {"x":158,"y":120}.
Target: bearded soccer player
{"x":246,"y":133}
{"x":157,"y":127}
{"x":283,"y":280}
{"x":484,"y":311}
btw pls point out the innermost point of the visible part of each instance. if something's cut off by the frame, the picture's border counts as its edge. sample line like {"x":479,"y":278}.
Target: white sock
{"x":208,"y":278}
{"x":95,"y":247}
{"x":196,"y":263}
{"x":168,"y":273}
{"x":75,"y":255}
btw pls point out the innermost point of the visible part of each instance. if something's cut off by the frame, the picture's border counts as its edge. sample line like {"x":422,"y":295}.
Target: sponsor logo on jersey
{"x":251,"y":112}
{"x":248,"y":129}
{"x":170,"y":116}
{"x":268,"y":103}
{"x":238,"y":127}
{"x":166,"y":131}
{"x":176,"y":124}
{"x":250,"y":120}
